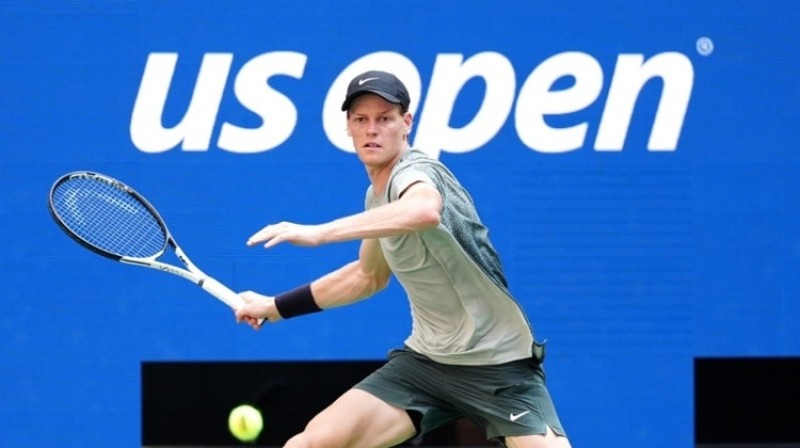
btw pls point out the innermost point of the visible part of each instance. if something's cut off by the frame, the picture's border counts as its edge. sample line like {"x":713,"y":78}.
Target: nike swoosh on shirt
{"x":513,"y":417}
{"x":361,"y":82}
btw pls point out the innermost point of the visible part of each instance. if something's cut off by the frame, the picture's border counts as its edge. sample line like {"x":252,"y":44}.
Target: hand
{"x":257,"y":306}
{"x":301,"y":235}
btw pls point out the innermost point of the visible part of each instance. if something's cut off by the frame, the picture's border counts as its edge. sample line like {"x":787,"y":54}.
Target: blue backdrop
{"x":638,"y":168}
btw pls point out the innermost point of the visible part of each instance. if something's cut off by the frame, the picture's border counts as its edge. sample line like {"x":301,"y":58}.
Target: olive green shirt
{"x":462,"y":312}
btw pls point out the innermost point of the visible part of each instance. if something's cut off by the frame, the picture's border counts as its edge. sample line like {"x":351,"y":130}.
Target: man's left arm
{"x":418,"y":208}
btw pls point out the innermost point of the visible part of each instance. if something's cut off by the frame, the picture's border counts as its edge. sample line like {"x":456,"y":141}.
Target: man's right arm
{"x":354,"y":281}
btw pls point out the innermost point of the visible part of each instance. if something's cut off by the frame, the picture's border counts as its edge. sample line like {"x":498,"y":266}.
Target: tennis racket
{"x":111,"y":219}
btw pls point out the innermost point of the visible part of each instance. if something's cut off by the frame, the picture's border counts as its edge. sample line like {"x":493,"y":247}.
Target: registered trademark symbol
{"x":705,"y":46}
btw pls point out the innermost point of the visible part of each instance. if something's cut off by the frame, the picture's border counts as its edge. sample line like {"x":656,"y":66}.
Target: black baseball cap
{"x":383,"y":84}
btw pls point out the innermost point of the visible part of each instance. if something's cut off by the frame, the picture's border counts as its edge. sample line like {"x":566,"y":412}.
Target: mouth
{"x":371,"y":145}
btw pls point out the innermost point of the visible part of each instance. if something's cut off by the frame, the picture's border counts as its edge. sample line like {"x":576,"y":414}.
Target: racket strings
{"x":108,"y":218}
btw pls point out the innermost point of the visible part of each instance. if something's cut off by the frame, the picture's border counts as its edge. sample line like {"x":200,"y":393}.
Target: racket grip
{"x":224,"y":294}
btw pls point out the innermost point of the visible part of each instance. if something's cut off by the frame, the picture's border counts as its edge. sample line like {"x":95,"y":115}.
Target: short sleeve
{"x":404,"y":179}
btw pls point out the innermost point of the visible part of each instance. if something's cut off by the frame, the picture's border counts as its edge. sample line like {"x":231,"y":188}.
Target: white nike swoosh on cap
{"x":365,"y":80}
{"x":513,"y":417}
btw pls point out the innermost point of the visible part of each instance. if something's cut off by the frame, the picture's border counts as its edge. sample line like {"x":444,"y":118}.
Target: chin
{"x":370,"y":153}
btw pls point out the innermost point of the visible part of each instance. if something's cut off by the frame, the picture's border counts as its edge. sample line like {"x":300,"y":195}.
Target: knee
{"x":297,"y":441}
{"x":318,"y":438}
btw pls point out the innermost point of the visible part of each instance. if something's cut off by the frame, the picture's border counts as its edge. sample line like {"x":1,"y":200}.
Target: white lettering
{"x":630,"y":76}
{"x":450,"y":74}
{"x":536,"y":100}
{"x":194,"y":130}
{"x":278,"y":113}
{"x":546,"y":116}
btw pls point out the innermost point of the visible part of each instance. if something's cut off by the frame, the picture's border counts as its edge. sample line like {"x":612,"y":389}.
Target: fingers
{"x":262,"y":235}
{"x":249,"y":320}
{"x":257,"y":308}
{"x":274,"y":234}
{"x":254,"y":323}
{"x":269,"y":235}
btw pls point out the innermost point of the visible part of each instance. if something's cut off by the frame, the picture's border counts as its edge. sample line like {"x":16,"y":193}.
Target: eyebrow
{"x":382,"y":112}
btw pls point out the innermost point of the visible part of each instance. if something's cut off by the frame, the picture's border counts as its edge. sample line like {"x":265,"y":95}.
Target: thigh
{"x":547,"y":440}
{"x":506,"y":400}
{"x":412,"y":382}
{"x":357,"y":419}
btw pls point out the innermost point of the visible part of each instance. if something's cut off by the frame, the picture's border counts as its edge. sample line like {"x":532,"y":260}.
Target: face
{"x":379,"y":130}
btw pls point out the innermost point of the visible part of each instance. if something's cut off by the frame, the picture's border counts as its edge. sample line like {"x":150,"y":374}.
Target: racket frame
{"x":192,"y":273}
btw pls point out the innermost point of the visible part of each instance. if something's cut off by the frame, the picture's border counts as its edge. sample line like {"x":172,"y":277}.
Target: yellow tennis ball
{"x":245,"y":423}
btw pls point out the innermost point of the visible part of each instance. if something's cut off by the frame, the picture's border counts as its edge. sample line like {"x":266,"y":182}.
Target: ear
{"x":408,"y":119}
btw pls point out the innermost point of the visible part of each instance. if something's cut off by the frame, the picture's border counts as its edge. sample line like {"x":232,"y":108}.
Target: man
{"x":471,"y":352}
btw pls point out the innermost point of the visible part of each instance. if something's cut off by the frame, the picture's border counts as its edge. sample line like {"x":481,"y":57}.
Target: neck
{"x":379,"y":175}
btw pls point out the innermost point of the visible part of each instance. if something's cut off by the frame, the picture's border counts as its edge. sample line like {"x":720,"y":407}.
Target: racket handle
{"x":224,"y":294}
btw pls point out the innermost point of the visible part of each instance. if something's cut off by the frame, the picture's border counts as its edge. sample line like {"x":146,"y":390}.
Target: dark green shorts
{"x":504,"y":400}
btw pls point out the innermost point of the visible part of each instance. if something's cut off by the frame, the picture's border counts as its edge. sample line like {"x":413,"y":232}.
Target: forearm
{"x":350,"y":283}
{"x":418,"y":209}
{"x":414,"y":213}
{"x":346,"y":285}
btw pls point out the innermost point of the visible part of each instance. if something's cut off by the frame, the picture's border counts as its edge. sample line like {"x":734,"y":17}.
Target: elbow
{"x":373,"y":286}
{"x":373,"y":281}
{"x":379,"y":282}
{"x":428,"y":215}
{"x":431,"y":218}
{"x":424,"y":206}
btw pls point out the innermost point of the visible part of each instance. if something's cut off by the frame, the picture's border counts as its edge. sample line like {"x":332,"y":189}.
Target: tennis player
{"x":471,"y":352}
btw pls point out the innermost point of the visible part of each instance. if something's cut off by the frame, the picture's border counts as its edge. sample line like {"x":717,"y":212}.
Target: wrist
{"x":297,"y":302}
